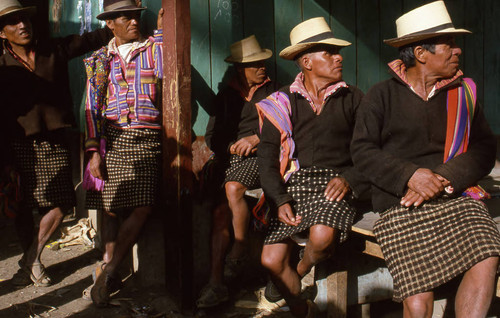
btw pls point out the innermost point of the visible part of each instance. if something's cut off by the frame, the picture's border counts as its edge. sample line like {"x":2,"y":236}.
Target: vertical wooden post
{"x":177,"y":155}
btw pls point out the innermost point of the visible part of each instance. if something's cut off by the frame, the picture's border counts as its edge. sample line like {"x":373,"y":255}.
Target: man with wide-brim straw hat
{"x":37,"y":108}
{"x":304,"y":161}
{"x":233,"y":135}
{"x":422,"y":139}
{"x":113,"y":8}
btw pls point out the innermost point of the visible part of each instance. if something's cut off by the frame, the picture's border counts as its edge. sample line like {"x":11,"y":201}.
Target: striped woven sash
{"x":461,"y":106}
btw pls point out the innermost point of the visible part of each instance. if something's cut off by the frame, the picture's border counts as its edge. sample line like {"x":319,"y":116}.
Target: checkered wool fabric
{"x":307,"y":187}
{"x":133,"y":160}
{"x":45,"y":169}
{"x":427,"y":246}
{"x":243,"y":170}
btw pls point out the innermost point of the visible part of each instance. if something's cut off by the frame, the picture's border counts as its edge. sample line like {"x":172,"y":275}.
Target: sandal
{"x":114,"y":283}
{"x":212,"y":295}
{"x":103,"y":287}
{"x":41,"y":281}
{"x":271,"y":292}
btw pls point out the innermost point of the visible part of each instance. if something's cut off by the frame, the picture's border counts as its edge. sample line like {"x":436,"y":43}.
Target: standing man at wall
{"x":424,"y":143}
{"x":36,"y":103}
{"x":123,"y":110}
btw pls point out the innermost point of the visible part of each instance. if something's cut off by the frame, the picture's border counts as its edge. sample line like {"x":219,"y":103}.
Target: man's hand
{"x":426,"y":183}
{"x":245,"y":146}
{"x":96,"y":166}
{"x":412,"y":197}
{"x":286,"y":215}
{"x":336,"y":189}
{"x":159,"y":22}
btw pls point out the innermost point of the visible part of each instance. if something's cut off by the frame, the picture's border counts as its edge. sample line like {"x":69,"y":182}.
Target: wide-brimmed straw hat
{"x":422,"y":23}
{"x":308,"y":34}
{"x":247,"y":50}
{"x":112,"y":7}
{"x":8,"y":7}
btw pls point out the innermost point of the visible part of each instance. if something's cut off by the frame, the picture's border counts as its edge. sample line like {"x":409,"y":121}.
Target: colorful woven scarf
{"x":461,"y":106}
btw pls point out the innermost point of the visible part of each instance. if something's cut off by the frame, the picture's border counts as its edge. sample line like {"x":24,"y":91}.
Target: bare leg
{"x":476,"y":289}
{"x":109,"y":231}
{"x":276,"y":258}
{"x":48,"y":225}
{"x":220,"y":242}
{"x":419,"y":305}
{"x":235,"y":192}
{"x":25,"y":228}
{"x":320,"y":246}
{"x":128,"y":234}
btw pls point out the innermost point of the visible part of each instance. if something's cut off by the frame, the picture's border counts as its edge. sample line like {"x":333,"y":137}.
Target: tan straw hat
{"x":117,"y":6}
{"x":308,"y":34}
{"x":13,"y":6}
{"x":247,"y":50}
{"x":422,"y":23}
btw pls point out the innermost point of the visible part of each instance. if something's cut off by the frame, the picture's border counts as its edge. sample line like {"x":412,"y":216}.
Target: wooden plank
{"x":390,"y":10}
{"x":373,"y":249}
{"x":177,"y":159}
{"x":259,"y":20}
{"x":368,"y":50}
{"x":287,"y":14}
{"x":201,"y":67}
{"x":343,"y":25}
{"x":337,"y":294}
{"x":472,"y":53}
{"x":316,"y":8}
{"x":491,"y":64}
{"x":226,"y":28}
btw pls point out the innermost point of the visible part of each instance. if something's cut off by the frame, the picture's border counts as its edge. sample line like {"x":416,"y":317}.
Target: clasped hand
{"x":423,"y":185}
{"x":245,"y":146}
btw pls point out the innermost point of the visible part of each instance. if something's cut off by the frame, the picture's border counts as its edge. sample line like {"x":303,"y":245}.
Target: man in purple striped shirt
{"x":123,"y":110}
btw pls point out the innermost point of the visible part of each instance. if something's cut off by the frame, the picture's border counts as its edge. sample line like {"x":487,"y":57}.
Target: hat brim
{"x":106,"y":15}
{"x":408,"y":39}
{"x":291,"y":51}
{"x":264,"y":55}
{"x":26,"y":10}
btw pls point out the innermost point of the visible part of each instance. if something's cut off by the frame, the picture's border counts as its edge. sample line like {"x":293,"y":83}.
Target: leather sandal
{"x":114,"y":283}
{"x":43,"y":280}
{"x":21,"y":278}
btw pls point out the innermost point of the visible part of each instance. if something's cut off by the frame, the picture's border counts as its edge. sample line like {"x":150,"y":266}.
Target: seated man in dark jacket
{"x":304,"y":159}
{"x":233,"y":135}
{"x":424,"y":142}
{"x":38,"y":107}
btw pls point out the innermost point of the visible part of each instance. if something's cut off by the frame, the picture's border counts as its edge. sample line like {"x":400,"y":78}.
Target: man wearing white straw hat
{"x":305,"y":164}
{"x":37,"y":108}
{"x":233,"y":135}
{"x":423,"y":140}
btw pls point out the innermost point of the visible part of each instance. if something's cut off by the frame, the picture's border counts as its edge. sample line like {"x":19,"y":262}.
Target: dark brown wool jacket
{"x":320,"y":140}
{"x":41,"y":101}
{"x":398,"y":132}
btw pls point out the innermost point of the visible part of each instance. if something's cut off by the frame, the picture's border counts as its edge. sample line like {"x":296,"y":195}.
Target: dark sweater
{"x":398,"y":132}
{"x":320,"y":140}
{"x":234,"y":118}
{"x":40,"y":101}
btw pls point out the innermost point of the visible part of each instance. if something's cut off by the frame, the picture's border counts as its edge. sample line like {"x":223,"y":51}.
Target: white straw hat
{"x":308,"y":34}
{"x":422,"y":23}
{"x":13,"y":6}
{"x":247,"y":50}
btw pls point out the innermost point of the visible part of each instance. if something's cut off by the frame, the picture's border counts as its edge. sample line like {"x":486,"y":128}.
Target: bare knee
{"x":419,"y":305}
{"x":234,"y":190}
{"x":272,"y":262}
{"x":221,"y":217}
{"x":322,"y":238}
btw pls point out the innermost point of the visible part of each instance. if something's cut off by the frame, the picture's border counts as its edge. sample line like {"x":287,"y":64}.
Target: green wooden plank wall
{"x":365,"y":23}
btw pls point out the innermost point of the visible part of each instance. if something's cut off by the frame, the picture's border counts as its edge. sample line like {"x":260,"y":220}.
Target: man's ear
{"x":110,"y":24}
{"x":2,"y":34}
{"x":306,"y":62}
{"x":420,"y":54}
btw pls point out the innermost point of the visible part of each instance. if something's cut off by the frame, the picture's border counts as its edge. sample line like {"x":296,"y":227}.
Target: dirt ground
{"x":70,"y":269}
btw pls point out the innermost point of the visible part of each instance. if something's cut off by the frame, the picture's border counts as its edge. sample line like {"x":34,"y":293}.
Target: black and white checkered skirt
{"x":307,"y":187}
{"x":427,"y":246}
{"x":243,"y":170}
{"x":45,"y":169}
{"x":133,"y":165}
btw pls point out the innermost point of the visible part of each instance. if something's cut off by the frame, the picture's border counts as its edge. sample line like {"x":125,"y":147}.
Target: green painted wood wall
{"x":215,"y":24}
